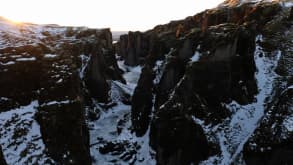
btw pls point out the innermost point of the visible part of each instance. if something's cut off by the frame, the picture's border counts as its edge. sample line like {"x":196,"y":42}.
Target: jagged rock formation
{"x":60,"y":68}
{"x":214,"y":88}
{"x":207,"y":63}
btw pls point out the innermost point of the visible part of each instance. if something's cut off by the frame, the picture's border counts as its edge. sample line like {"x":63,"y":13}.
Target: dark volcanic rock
{"x":64,"y":132}
{"x":212,"y":80}
{"x":133,"y":48}
{"x":2,"y":159}
{"x":142,"y":102}
{"x":184,"y":90}
{"x":173,"y":131}
{"x":95,"y":77}
{"x":291,"y":14}
{"x":60,"y":70}
{"x":271,"y":143}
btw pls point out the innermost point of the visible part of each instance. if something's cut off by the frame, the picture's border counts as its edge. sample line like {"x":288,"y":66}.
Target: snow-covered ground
{"x":105,"y":128}
{"x":285,"y":3}
{"x":21,"y":139}
{"x":234,"y":132}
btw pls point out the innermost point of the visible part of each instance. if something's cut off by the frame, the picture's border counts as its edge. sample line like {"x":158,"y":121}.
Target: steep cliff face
{"x":47,"y":74}
{"x":213,"y":78}
{"x":214,"y":88}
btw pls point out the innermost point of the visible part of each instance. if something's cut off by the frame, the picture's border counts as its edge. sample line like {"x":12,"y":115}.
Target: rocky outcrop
{"x":133,"y":48}
{"x":2,"y":160}
{"x":272,"y":142}
{"x":142,"y":102}
{"x":214,"y":88}
{"x":212,"y":80}
{"x":211,"y":65}
{"x":60,"y":71}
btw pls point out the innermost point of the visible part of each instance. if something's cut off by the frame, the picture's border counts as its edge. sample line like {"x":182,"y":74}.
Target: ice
{"x":20,"y":138}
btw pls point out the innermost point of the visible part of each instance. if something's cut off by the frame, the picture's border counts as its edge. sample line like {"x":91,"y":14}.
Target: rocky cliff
{"x":214,"y":88}
{"x":213,"y":85}
{"x":48,"y":73}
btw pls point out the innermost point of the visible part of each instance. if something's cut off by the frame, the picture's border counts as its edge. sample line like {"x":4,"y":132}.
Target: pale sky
{"x":119,"y":15}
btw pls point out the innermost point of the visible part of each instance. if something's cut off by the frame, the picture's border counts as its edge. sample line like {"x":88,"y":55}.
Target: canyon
{"x":213,"y":88}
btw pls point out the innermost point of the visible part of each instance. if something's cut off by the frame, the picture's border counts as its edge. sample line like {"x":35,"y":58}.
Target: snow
{"x":288,"y":123}
{"x":106,"y":126}
{"x":57,"y":102}
{"x":246,"y":118}
{"x":195,"y":57}
{"x":21,"y":137}
{"x":131,"y":74}
{"x":116,"y":89}
{"x":26,"y":59}
{"x":50,"y":55}
{"x":283,"y":3}
{"x":84,"y":63}
{"x":59,"y":81}
{"x":158,"y":69}
{"x":286,"y":4}
{"x":8,"y":63}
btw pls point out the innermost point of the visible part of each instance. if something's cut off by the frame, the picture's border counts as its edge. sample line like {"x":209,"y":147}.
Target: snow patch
{"x":288,"y":123}
{"x":26,"y":59}
{"x":195,"y":57}
{"x":8,"y":63}
{"x":50,"y":55}
{"x":56,"y":102}
{"x":84,"y":63}
{"x":241,"y":126}
{"x":20,"y":136}
{"x":106,"y":126}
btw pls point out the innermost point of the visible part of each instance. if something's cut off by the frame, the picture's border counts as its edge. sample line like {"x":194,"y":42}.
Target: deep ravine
{"x":215,"y":88}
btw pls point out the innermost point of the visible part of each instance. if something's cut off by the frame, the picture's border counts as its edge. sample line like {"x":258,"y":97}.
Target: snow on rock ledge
{"x":21,"y":138}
